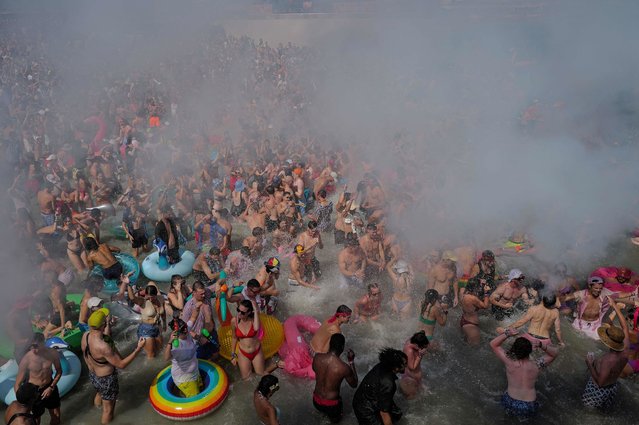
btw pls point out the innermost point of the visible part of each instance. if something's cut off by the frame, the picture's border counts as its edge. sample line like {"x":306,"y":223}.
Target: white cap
{"x":334,"y":175}
{"x":51,"y":157}
{"x":94,"y":302}
{"x":515,"y":274}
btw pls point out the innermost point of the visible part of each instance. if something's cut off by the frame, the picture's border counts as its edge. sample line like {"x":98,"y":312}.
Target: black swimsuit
{"x":87,"y":353}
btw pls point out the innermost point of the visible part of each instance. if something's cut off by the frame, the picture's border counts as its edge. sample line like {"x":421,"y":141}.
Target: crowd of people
{"x":182,"y":177}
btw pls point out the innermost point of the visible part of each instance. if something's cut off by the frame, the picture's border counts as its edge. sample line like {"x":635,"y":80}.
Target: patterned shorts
{"x":107,"y":386}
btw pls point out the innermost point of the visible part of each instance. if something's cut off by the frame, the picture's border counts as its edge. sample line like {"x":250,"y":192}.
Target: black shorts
{"x":139,"y":238}
{"x":113,"y":272}
{"x":51,"y":402}
{"x":340,"y":237}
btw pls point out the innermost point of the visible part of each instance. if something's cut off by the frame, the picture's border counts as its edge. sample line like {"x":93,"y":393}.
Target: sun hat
{"x":611,"y":336}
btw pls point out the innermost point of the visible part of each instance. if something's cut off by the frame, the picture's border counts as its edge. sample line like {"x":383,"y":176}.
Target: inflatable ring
{"x":216,"y":388}
{"x":272,"y":339}
{"x":129,"y":264}
{"x":152,"y":270}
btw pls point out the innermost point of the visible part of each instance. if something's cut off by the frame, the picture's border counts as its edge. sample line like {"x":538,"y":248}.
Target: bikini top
{"x":87,"y":353}
{"x":250,"y":334}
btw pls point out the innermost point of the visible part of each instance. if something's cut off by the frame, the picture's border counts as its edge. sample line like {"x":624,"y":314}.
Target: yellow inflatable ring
{"x":271,"y":341}
{"x":167,"y":404}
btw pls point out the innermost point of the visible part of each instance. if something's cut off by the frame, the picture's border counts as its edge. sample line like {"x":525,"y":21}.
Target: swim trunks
{"x":51,"y":402}
{"x":501,"y":313}
{"x":107,"y":386}
{"x":191,"y":388}
{"x":519,"y":408}
{"x":599,"y":397}
{"x":331,"y":408}
{"x":113,"y":272}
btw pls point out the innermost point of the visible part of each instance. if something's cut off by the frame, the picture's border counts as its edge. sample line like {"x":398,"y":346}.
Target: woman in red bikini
{"x":245,"y":330}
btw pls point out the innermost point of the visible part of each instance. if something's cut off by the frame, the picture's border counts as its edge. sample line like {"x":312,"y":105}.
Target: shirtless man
{"x":443,"y":278}
{"x":270,"y":208}
{"x":102,"y":255}
{"x":269,"y":292}
{"x":601,"y":389}
{"x":415,"y":349}
{"x":36,"y":368}
{"x":102,"y":359}
{"x":255,"y":242}
{"x":592,"y":305}
{"x":520,"y":399}
{"x":310,"y":240}
{"x":373,"y":247}
{"x":300,"y":267}
{"x":332,"y":325}
{"x":254,"y":216}
{"x":330,"y":371}
{"x":207,"y":266}
{"x":46,"y":202}
{"x":542,"y":318}
{"x":504,"y":297}
{"x":370,"y":305}
{"x":374,"y":198}
{"x":19,"y":412}
{"x":352,"y":261}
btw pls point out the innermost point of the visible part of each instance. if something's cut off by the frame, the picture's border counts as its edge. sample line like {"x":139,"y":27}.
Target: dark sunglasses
{"x":242,"y":311}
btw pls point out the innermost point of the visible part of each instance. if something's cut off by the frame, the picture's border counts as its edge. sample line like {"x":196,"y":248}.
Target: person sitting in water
{"x":432,"y":312}
{"x":520,"y":399}
{"x":369,"y":306}
{"x":102,"y":255}
{"x":602,"y":387}
{"x":320,"y":341}
{"x":330,"y":371}
{"x":266,"y":412}
{"x":504,"y":297}
{"x":352,"y":262}
{"x":473,"y":299}
{"x":415,"y":348}
{"x":182,"y":351}
{"x":542,"y":317}
{"x":20,"y":411}
{"x":301,"y":269}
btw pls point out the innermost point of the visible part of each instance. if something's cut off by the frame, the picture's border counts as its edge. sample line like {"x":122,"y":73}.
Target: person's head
{"x":321,"y":194}
{"x":624,"y":275}
{"x":253,"y":287}
{"x":521,"y":349}
{"x":393,"y":360}
{"x":371,"y":229}
{"x":96,"y":214}
{"x":351,"y":240}
{"x":561,"y":270}
{"x":90,"y":244}
{"x":245,"y":251}
{"x":312,"y":228}
{"x":420,"y":339}
{"x":27,"y":394}
{"x":612,"y":337}
{"x":199,"y":290}
{"x":595,"y":285}
{"x":177,"y":281}
{"x":37,"y":342}
{"x":431,"y":296}
{"x":151,"y":290}
{"x":374,"y":290}
{"x":97,"y":319}
{"x":516,"y":276}
{"x":336,"y":344}
{"x":214,"y":252}
{"x":257,"y":232}
{"x":268,"y":385}
{"x":488,"y":257}
{"x":549,"y":301}
{"x":272,"y":266}
{"x":245,"y":310}
{"x":94,"y":303}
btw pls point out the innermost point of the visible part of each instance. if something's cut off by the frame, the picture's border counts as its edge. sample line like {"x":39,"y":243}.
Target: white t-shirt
{"x":184,"y":367}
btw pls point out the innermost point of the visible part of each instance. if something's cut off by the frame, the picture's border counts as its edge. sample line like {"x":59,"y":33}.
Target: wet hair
{"x":249,"y":305}
{"x":420,"y":339}
{"x":549,"y":300}
{"x":95,"y":213}
{"x":224,"y":212}
{"x":270,"y":190}
{"x":245,"y":251}
{"x":312,"y":224}
{"x":175,"y":278}
{"x":430,"y":297}
{"x":37,"y":338}
{"x":151,"y":290}
{"x":351,"y":239}
{"x":474,"y":287}
{"x":336,"y":344}
{"x":521,"y":349}
{"x":197,"y":285}
{"x":343,"y":309}
{"x":268,"y":384}
{"x":258,"y":231}
{"x":371,"y":226}
{"x":27,"y":394}
{"x":214,"y":251}
{"x":372,"y":286}
{"x":90,"y":244}
{"x":391,"y":358}
{"x":253,"y":283}
{"x":178,"y":325}
{"x":321,"y":193}
{"x":538,"y":284}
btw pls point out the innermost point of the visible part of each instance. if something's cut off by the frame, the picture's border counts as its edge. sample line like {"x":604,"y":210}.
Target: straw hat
{"x":612,"y":337}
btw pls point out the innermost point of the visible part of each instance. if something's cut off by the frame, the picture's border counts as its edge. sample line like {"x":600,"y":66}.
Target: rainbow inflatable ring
{"x":167,"y":404}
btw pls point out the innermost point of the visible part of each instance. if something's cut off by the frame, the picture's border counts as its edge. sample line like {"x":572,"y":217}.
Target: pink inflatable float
{"x":295,"y":351}
{"x":617,"y":279}
{"x":96,"y":144}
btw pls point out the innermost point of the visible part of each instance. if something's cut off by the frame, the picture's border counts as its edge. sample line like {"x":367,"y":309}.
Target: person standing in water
{"x":266,"y":412}
{"x":373,"y":401}
{"x":542,"y":318}
{"x":431,"y":313}
{"x":330,"y":371}
{"x":332,"y":325}
{"x":504,"y":297}
{"x":471,"y":303}
{"x":370,"y":305}
{"x":20,"y":411}
{"x":520,"y":399}
{"x":415,"y":349}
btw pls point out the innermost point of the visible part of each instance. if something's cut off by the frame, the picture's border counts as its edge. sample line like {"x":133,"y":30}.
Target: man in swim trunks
{"x":373,"y":247}
{"x":592,"y":304}
{"x":19,"y":412}
{"x":504,"y":297}
{"x":301,"y":271}
{"x":46,"y":202}
{"x":103,"y":360}
{"x":332,"y":325}
{"x":36,"y":367}
{"x":197,"y":313}
{"x":330,"y":371}
{"x":310,"y":240}
{"x":520,"y":399}
{"x":602,"y":387}
{"x":207,"y":266}
{"x":370,"y":305}
{"x":102,"y":255}
{"x":542,"y":318}
{"x":352,"y":261}
{"x":443,"y":278}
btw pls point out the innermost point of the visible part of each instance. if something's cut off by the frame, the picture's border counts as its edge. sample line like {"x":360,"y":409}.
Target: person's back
{"x":542,"y":320}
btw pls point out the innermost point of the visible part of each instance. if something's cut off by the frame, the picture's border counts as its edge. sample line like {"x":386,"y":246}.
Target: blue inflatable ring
{"x":152,"y":270}
{"x":129,"y":264}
